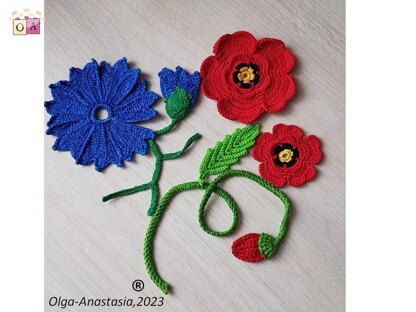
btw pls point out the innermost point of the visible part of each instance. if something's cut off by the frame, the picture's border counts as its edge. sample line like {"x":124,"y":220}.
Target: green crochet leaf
{"x":228,"y":151}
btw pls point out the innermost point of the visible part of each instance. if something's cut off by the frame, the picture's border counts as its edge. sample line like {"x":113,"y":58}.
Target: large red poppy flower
{"x":286,"y":156}
{"x":248,"y":77}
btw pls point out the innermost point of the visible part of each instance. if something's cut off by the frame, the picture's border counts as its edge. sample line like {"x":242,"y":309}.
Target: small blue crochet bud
{"x":180,"y":91}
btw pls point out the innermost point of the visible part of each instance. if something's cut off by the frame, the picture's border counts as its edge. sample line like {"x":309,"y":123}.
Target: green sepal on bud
{"x":177,"y":104}
{"x":267,"y":245}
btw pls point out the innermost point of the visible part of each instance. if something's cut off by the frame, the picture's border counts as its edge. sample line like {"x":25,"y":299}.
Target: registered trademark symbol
{"x":138,"y":285}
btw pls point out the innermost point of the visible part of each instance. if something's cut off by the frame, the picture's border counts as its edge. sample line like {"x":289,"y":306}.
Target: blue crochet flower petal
{"x":58,"y":125}
{"x":132,"y":138}
{"x":105,"y":150}
{"x":74,"y":118}
{"x":86,"y":82}
{"x":66,"y":100}
{"x":167,"y":81}
{"x":170,"y":79}
{"x":117,"y":81}
{"x":75,"y":139}
{"x":136,"y":106}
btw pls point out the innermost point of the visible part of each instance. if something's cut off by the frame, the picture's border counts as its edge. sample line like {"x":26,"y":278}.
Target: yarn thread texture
{"x":251,"y":247}
{"x":248,"y":77}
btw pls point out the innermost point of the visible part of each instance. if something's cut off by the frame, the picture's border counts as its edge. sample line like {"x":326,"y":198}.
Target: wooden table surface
{"x":94,"y":249}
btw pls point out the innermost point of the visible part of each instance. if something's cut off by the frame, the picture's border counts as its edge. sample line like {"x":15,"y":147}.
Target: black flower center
{"x":246,"y":75}
{"x":285,"y":155}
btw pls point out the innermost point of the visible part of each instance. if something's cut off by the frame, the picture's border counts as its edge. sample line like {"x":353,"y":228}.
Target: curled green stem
{"x":209,"y":189}
{"x":154,"y":222}
{"x":242,"y":173}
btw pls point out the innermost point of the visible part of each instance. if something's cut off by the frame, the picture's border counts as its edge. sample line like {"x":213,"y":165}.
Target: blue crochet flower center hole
{"x":101,"y":113}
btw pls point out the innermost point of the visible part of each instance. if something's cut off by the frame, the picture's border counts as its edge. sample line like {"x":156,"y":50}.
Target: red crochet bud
{"x":246,"y":248}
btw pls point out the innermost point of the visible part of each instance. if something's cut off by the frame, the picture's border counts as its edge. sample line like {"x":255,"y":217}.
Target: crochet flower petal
{"x":271,"y":175}
{"x":167,"y":81}
{"x":86,"y":82}
{"x":243,"y":111}
{"x":137,"y":105}
{"x":170,"y":80}
{"x":190,"y":83}
{"x":111,"y":144}
{"x":137,"y":113}
{"x":213,"y":83}
{"x":275,"y":52}
{"x":91,"y":149}
{"x":66,"y":100}
{"x":131,"y":138}
{"x":106,"y":151}
{"x":300,"y":179}
{"x":60,"y":124}
{"x":314,"y":148}
{"x":117,"y":81}
{"x":238,"y":42}
{"x":282,"y":130}
{"x":260,"y":151}
{"x":74,"y":140}
{"x":281,"y":90}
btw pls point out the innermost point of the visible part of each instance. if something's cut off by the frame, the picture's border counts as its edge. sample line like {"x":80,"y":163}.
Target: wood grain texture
{"x":95,"y":250}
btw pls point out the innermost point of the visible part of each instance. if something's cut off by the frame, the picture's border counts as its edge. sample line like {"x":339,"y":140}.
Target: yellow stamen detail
{"x":286,"y":155}
{"x":246,"y":74}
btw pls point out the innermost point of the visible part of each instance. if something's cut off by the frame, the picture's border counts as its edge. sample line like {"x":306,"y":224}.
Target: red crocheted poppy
{"x":286,"y":156}
{"x":248,"y":77}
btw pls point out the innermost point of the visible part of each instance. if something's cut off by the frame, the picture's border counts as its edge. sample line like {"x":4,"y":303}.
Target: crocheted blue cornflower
{"x":96,"y":89}
{"x":180,"y":91}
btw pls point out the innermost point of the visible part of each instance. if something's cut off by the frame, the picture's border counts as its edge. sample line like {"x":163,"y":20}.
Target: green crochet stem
{"x":209,"y":189}
{"x":153,"y":185}
{"x":167,"y":128}
{"x":242,"y":173}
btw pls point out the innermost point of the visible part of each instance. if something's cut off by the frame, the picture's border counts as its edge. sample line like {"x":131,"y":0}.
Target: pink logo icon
{"x":26,"y":26}
{"x":33,"y":26}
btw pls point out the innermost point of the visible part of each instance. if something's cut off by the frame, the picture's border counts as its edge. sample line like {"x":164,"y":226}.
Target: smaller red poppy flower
{"x":286,"y":156}
{"x":248,"y":77}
